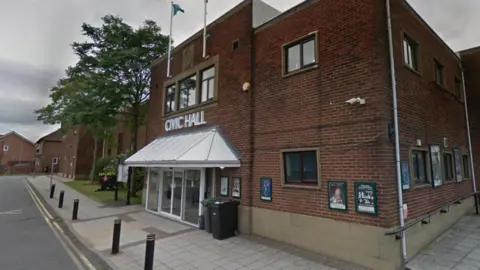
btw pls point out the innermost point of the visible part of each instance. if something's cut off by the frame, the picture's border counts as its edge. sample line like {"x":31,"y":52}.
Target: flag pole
{"x":170,"y":41}
{"x":205,"y":30}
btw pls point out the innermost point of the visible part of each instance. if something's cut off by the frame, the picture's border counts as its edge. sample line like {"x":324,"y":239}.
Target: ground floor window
{"x":300,"y":167}
{"x":419,"y":167}
{"x":448,"y":166}
{"x":466,"y":166}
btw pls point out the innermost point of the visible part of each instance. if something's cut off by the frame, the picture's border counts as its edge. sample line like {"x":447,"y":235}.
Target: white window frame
{"x":5,"y":148}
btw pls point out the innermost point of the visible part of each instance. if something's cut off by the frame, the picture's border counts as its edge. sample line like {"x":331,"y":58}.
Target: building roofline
{"x":298,"y":7}
{"x":431,"y":29}
{"x":469,"y":50}
{"x":200,"y":32}
{"x":43,"y":138}
{"x":18,"y":135}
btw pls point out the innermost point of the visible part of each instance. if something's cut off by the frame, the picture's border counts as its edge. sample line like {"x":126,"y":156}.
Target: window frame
{"x":305,"y":185}
{"x":209,"y":80}
{"x":5,"y":148}
{"x":439,"y":69}
{"x":428,"y":180}
{"x":468,"y":167}
{"x":447,"y":179}
{"x":195,"y":70}
{"x":166,"y":95}
{"x":180,"y":92}
{"x":459,"y":91}
{"x":313,"y":36}
{"x":414,"y":53}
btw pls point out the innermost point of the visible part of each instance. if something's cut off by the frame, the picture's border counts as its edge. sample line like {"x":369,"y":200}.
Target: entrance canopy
{"x":204,"y":148}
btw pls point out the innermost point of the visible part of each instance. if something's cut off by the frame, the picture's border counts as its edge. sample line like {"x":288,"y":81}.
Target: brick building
{"x":266,"y":119}
{"x":76,"y":155}
{"x":17,"y":154}
{"x":48,"y":149}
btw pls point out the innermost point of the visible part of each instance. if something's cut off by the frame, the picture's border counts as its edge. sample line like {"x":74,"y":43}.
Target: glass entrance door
{"x":172,"y":195}
{"x":153,"y":190}
{"x":192,"y":196}
{"x":167,"y":192}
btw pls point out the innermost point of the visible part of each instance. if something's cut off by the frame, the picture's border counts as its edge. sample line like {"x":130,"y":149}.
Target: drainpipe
{"x":252,"y":120}
{"x":397,"y":137}
{"x":468,"y":133}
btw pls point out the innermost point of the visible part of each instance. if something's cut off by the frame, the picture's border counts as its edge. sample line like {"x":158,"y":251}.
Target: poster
{"x":122,"y":173}
{"x":224,"y":186}
{"x":266,"y":189}
{"x":405,"y":168}
{"x":457,"y":156}
{"x":236,"y":187}
{"x":337,"y":195}
{"x":436,"y":165}
{"x":366,"y":197}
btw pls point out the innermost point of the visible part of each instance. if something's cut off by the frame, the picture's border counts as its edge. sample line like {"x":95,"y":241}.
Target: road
{"x":26,"y":239}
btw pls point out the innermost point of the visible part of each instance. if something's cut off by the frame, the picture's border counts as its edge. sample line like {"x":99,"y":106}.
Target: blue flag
{"x":176,"y":9}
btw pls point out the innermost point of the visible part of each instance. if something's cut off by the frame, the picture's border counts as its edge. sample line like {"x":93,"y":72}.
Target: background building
{"x":17,"y":154}
{"x":48,"y":149}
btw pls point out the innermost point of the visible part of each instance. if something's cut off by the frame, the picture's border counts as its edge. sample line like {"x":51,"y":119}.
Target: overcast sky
{"x":36,"y":37}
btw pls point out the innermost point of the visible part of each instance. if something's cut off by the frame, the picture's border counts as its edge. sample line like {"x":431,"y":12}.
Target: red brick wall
{"x":18,"y":150}
{"x":427,"y":111}
{"x":471,"y":62}
{"x":232,"y":109}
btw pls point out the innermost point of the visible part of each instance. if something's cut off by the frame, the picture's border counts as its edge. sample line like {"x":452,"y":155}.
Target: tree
{"x":78,"y":101}
{"x":123,"y":56}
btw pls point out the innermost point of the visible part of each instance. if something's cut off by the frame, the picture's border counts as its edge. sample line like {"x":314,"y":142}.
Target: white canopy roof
{"x":205,"y":148}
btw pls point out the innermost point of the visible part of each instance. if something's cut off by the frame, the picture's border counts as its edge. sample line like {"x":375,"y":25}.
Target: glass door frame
{"x":182,"y":203}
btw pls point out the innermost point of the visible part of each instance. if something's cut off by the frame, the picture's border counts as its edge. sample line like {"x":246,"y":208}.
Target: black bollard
{"x":149,"y":252}
{"x":60,"y":199}
{"x":116,"y":191}
{"x":75,"y":209}
{"x":52,"y":191}
{"x":117,"y":226}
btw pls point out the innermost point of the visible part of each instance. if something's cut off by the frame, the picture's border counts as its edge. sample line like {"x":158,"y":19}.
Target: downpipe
{"x":397,"y":137}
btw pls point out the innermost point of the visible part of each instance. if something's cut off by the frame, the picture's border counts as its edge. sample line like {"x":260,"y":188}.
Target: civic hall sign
{"x":184,"y":121}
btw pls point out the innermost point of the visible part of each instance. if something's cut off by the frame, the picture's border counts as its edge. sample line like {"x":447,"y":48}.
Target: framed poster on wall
{"x":457,"y":157}
{"x":436,"y":165}
{"x":266,"y":189}
{"x":337,"y":195}
{"x":236,"y":187}
{"x":366,"y":197}
{"x":224,"y":186}
{"x":405,"y":168}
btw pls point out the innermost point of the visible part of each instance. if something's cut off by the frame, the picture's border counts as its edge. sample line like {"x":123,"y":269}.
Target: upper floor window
{"x":438,"y":72}
{"x":5,"y":148}
{"x":207,"y":88}
{"x":188,"y":92}
{"x":170,"y":99}
{"x":410,"y":53}
{"x":458,"y":88}
{"x":300,"y":54}
{"x":300,"y":167}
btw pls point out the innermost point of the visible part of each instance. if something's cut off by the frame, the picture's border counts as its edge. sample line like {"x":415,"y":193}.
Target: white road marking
{"x":11,"y":212}
{"x":70,"y":248}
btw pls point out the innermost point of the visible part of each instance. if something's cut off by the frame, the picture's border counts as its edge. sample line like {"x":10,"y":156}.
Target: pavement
{"x":27,"y":240}
{"x":456,"y":249}
{"x":178,"y":246}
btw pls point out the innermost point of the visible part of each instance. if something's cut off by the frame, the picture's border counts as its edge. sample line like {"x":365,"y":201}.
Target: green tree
{"x":123,"y":56}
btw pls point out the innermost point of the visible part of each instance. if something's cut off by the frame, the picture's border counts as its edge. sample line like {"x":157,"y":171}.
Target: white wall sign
{"x":122,"y":173}
{"x":189,"y":120}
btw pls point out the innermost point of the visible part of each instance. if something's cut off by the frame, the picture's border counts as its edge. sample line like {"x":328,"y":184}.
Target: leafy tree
{"x":122,"y":57}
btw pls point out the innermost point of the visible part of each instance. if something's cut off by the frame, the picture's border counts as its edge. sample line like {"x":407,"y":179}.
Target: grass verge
{"x":107,"y":197}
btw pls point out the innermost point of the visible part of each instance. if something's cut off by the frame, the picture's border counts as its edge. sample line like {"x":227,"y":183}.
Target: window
{"x":188,"y":90}
{"x":120,"y":143}
{"x":170,"y":99}
{"x":410,"y":53}
{"x":466,"y":166}
{"x":300,"y":54}
{"x":448,"y":166}
{"x":458,"y":89}
{"x":235,"y":45}
{"x":208,"y":82}
{"x":419,"y":166}
{"x":300,"y":167}
{"x":38,"y":150}
{"x":438,"y":72}
{"x":5,"y":148}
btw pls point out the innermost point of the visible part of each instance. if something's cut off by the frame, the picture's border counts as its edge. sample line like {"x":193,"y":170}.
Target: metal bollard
{"x":52,"y":191}
{"x":75,"y":209}
{"x":60,"y":199}
{"x":117,"y":226}
{"x":149,"y":252}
